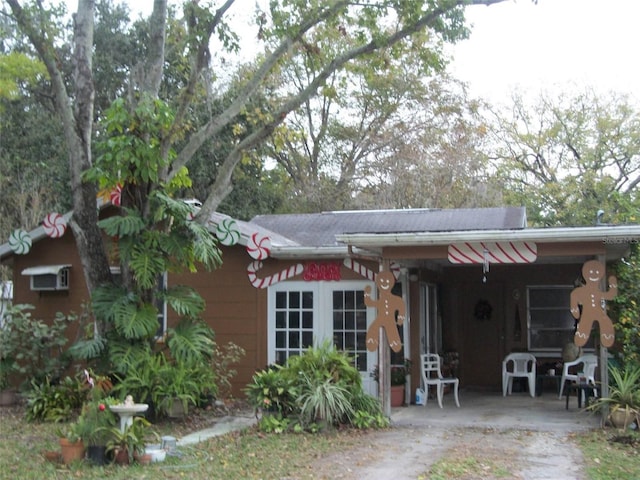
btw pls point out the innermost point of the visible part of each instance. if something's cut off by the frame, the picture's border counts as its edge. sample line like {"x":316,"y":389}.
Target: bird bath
{"x":127,"y":410}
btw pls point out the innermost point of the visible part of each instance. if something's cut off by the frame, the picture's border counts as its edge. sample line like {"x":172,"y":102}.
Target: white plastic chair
{"x":432,"y":375}
{"x":518,"y":365}
{"x":589,"y":364}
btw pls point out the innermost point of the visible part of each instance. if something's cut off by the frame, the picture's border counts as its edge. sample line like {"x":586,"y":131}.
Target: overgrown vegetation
{"x":317,"y":390}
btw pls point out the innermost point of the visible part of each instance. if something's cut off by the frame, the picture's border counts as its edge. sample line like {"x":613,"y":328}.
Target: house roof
{"x":321,"y":229}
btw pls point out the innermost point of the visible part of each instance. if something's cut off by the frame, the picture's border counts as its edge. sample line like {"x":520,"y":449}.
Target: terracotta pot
{"x":121,"y":456}
{"x":397,"y":395}
{"x":621,"y":418}
{"x":71,"y":451}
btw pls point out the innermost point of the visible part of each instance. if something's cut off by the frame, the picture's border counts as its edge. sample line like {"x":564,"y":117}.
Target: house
{"x":477,"y":283}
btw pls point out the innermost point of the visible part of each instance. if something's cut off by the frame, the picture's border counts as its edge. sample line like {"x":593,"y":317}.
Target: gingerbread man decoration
{"x":387,"y":304}
{"x":591,"y":298}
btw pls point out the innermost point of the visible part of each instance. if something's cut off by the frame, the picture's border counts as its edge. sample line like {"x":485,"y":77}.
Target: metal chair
{"x":589,"y":364}
{"x":518,"y":365}
{"x":432,"y":375}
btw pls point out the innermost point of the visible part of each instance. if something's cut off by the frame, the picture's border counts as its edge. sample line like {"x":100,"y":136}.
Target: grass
{"x":247,"y":455}
{"x":611,"y":454}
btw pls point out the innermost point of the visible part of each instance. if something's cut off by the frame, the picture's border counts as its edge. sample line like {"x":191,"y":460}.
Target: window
{"x":294,"y":323}
{"x":551,"y":324}
{"x":304,"y":314}
{"x":350,"y":325}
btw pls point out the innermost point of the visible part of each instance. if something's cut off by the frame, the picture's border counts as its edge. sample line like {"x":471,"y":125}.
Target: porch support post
{"x":603,"y":359}
{"x":384,"y":371}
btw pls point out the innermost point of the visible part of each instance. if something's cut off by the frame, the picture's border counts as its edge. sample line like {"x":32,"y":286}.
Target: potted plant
{"x":94,"y":426}
{"x":623,"y":400}
{"x":127,"y":444}
{"x":71,"y":444}
{"x":398,"y":378}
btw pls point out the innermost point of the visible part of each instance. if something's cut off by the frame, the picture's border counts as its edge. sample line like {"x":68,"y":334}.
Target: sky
{"x":548,"y":45}
{"x":554,"y":45}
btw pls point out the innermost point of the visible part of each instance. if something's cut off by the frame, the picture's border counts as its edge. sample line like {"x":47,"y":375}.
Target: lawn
{"x":253,"y":455}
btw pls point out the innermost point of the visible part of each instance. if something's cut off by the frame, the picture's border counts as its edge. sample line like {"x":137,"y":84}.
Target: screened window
{"x":551,"y":324}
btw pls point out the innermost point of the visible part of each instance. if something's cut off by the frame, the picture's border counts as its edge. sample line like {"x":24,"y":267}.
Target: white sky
{"x":554,"y":45}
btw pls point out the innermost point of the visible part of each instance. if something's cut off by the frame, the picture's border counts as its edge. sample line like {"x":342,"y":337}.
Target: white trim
{"x":44,"y":270}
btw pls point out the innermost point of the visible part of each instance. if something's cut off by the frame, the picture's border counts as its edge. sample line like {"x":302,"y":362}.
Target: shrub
{"x":48,"y":402}
{"x":321,"y":387}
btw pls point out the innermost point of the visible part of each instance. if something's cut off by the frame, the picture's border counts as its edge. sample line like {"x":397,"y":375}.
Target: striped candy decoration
{"x":493,"y":252}
{"x":228,"y":232}
{"x":54,"y":225}
{"x":20,"y":242}
{"x":265,"y":282}
{"x":259,"y":247}
{"x":351,"y":264}
{"x":116,"y":195}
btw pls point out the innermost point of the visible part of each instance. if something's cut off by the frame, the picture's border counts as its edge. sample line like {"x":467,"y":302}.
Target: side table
{"x":581,"y":389}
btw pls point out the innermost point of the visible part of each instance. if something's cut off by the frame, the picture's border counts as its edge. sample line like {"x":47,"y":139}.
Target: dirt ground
{"x":474,"y":453}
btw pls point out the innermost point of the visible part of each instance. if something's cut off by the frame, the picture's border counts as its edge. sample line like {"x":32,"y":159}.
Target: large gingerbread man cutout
{"x":387,"y":304}
{"x":591,"y":297}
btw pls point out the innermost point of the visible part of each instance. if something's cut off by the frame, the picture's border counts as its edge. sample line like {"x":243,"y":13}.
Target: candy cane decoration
{"x":116,"y":195}
{"x":351,"y":264}
{"x":265,"y":282}
{"x":54,"y":225}
{"x":20,"y":242}
{"x":259,"y":247}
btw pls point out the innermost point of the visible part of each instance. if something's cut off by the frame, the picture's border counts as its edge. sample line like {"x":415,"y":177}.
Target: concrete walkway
{"x":477,"y":410}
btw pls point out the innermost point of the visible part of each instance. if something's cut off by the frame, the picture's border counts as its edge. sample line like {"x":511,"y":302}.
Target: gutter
{"x":608,"y":234}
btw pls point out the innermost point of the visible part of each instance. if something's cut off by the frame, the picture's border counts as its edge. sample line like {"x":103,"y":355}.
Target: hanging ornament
{"x":485,"y":265}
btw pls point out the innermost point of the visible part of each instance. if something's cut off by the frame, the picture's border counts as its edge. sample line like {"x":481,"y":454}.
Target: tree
{"x":290,"y":23}
{"x":566,"y":158}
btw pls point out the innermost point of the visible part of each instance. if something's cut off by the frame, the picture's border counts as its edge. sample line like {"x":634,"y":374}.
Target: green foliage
{"x":30,"y":348}
{"x":96,"y":421}
{"x":624,"y":391}
{"x":321,"y":387}
{"x":132,"y":439}
{"x":626,"y":307}
{"x":324,"y":401}
{"x":54,"y":403}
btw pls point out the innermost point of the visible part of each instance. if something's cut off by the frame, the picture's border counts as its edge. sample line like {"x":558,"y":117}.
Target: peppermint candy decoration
{"x":116,"y":195}
{"x":54,"y":225}
{"x":267,"y":281}
{"x":259,"y":247}
{"x":228,"y":232}
{"x":20,"y":242}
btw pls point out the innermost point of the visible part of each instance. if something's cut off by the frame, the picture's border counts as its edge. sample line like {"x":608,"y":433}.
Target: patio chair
{"x":589,"y":363}
{"x":518,"y":365}
{"x":432,"y":375}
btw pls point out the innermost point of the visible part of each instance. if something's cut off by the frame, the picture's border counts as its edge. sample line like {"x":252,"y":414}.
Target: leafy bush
{"x":321,"y":387}
{"x":57,"y":402}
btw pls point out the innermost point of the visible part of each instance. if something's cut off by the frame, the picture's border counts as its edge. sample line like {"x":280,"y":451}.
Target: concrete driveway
{"x":492,"y":410}
{"x":513,"y":437}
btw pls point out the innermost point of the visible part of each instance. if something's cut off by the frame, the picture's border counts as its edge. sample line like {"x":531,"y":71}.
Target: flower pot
{"x":97,"y":454}
{"x":71,"y":451}
{"x":121,"y":456}
{"x":8,"y":397}
{"x":397,"y":395}
{"x":621,"y":418}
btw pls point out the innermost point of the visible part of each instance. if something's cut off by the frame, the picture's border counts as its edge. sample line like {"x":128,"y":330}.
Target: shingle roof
{"x":319,"y":229}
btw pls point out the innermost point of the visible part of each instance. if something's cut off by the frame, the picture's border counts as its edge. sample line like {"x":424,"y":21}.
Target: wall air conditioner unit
{"x":48,"y":277}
